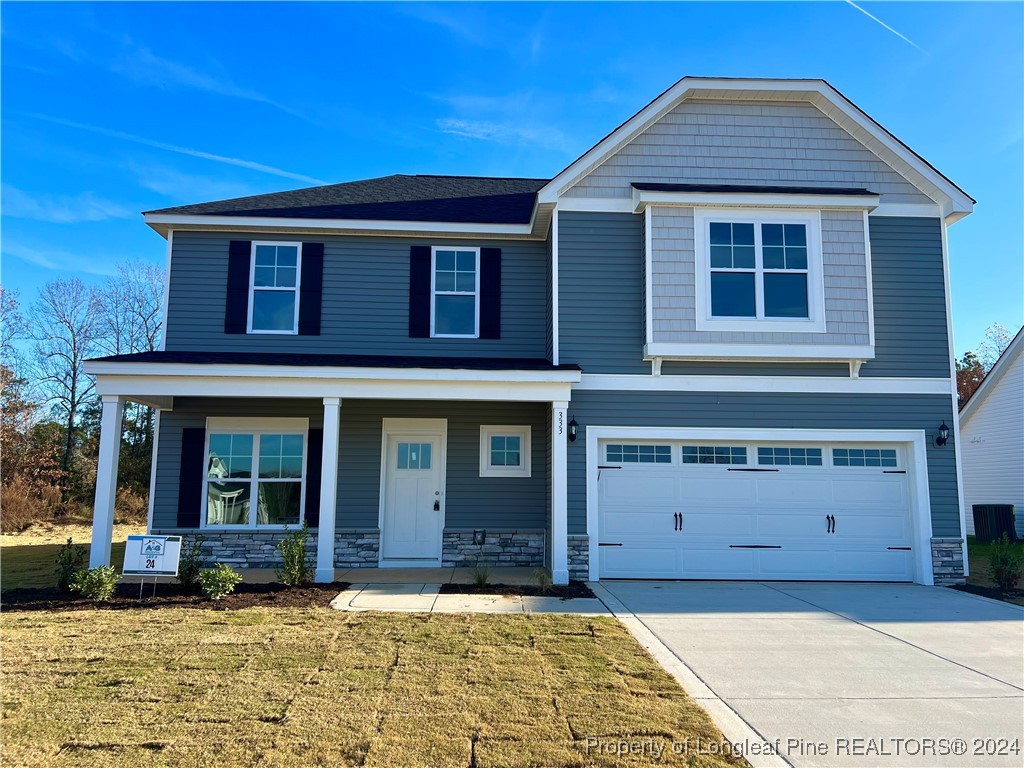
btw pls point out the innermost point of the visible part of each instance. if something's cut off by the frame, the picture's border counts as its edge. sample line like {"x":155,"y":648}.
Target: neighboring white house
{"x":992,"y":437}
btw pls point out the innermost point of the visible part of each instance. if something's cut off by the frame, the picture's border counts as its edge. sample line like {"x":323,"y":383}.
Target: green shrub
{"x":190,"y":564}
{"x":542,"y":579}
{"x":96,"y":583}
{"x":71,"y":559}
{"x":219,"y":581}
{"x":294,"y":570}
{"x":1006,"y":562}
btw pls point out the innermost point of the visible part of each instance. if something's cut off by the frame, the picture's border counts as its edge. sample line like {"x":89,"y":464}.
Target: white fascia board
{"x":817,"y":384}
{"x":955,"y":203}
{"x":644,"y":198}
{"x":145,"y":386}
{"x":160,"y":221}
{"x":1005,"y":362}
{"x":778,"y":352}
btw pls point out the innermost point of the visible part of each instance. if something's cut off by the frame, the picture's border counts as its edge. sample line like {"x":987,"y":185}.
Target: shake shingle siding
{"x":365,"y":299}
{"x":771,"y":411}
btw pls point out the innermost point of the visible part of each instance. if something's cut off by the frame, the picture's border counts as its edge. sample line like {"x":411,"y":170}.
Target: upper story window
{"x":274,"y":288}
{"x":758,"y":271}
{"x":455,"y":292}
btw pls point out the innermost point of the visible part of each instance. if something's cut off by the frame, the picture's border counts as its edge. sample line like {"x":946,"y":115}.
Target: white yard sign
{"x":152,"y":556}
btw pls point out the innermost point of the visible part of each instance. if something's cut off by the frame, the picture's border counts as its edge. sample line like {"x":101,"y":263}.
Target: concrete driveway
{"x":851,"y":674}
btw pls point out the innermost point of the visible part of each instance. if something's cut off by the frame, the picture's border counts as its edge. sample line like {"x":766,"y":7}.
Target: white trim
{"x":778,"y":352}
{"x":296,"y":290}
{"x":152,"y":470}
{"x":328,"y":490}
{"x":954,"y":399}
{"x":995,"y":374}
{"x":257,"y":427}
{"x":111,"y":420}
{"x":555,"y":347}
{"x":523,"y":432}
{"x":476,"y":290}
{"x":626,"y":205}
{"x":264,"y":223}
{"x":813,"y":323}
{"x":648,"y":275}
{"x":914,"y":210}
{"x":427,"y":428}
{"x":954,"y":202}
{"x":645,"y":198}
{"x":822,"y":384}
{"x":166,"y":298}
{"x":917,"y":468}
{"x":869,"y":284}
{"x":559,"y":492}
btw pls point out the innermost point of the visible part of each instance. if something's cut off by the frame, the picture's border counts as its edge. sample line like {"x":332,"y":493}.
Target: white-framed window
{"x":638,"y":453}
{"x":759,"y":270}
{"x":789,"y":457}
{"x":454,"y":292}
{"x":255,"y":473}
{"x":865,"y":457}
{"x":504,"y":451}
{"x":714,"y":454}
{"x":274,"y":276}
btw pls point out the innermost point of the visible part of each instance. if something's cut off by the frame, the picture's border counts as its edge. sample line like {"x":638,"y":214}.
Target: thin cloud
{"x":186,"y":186}
{"x":900,"y":35}
{"x":60,"y":209}
{"x":60,"y":261}
{"x":143,"y":66}
{"x":505,"y":133}
{"x":253,"y":166}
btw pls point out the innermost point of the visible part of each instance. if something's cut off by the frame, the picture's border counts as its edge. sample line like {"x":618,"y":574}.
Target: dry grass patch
{"x":293,"y":687}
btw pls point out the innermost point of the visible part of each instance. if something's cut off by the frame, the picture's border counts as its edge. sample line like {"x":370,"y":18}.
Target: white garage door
{"x":767,"y":511}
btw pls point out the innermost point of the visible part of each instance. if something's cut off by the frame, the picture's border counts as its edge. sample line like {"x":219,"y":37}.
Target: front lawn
{"x":315,"y":687}
{"x":979,"y":554}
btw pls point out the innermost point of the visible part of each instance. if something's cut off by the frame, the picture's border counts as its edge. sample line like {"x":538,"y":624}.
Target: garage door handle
{"x":678,"y":520}
{"x":830,"y":524}
{"x":755,"y":546}
{"x":750,"y":469}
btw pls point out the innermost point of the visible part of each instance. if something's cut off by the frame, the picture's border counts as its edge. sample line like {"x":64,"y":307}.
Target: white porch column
{"x":106,"y":480}
{"x":328,"y":491}
{"x":559,"y":498}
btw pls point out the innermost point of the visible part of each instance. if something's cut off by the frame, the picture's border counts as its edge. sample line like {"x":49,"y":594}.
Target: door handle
{"x":680,"y":520}
{"x":437,"y":505}
{"x":833,"y":523}
{"x":830,"y":524}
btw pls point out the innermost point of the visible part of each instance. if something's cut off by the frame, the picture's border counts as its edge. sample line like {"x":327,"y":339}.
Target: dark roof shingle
{"x":457,"y":199}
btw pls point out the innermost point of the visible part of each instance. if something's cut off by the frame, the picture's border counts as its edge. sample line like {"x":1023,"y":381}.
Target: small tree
{"x":294,"y":570}
{"x":969,"y":375}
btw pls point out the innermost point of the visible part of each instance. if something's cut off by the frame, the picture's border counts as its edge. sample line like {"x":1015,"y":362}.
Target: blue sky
{"x":111,"y":109}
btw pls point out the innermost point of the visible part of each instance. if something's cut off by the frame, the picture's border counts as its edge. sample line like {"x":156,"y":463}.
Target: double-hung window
{"x":274,"y":287}
{"x":455,"y":292}
{"x":758,"y":271}
{"x":255,"y":476}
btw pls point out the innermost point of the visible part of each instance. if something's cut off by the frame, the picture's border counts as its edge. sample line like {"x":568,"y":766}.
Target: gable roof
{"x":1006,"y":361}
{"x":953,"y":201}
{"x":457,"y":199}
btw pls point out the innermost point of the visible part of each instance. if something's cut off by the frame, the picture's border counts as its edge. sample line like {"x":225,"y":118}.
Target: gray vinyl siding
{"x":723,"y":142}
{"x":844,"y":279}
{"x":600,"y":292}
{"x":472,"y":501}
{"x":365,"y":299}
{"x":910,"y":298}
{"x":772,"y":411}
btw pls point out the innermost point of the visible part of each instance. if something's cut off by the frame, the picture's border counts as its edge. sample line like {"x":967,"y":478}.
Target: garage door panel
{"x":777,"y":522}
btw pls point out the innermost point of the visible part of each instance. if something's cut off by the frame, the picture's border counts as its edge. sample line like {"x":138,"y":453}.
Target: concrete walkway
{"x":846,"y":674}
{"x":426,"y":598}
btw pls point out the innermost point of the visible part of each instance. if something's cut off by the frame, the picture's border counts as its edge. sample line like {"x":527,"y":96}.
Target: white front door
{"x":413,"y":498}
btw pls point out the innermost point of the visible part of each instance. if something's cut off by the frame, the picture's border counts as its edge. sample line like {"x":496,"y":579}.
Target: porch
{"x":435,"y":468}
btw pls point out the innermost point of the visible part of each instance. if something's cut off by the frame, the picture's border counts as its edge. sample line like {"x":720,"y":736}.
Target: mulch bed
{"x":993,"y":592}
{"x":172,"y":596}
{"x":572,"y":589}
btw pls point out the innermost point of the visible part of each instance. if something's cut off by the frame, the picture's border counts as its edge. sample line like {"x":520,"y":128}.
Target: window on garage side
{"x":864,"y":457}
{"x":789,"y":457}
{"x":626,"y":453}
{"x":714,"y":454}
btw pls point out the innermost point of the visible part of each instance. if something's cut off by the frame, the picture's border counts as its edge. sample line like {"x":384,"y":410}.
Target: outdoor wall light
{"x":573,"y":429}
{"x":943,"y":434}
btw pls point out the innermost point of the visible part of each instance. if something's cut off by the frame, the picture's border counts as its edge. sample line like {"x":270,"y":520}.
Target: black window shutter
{"x":236,"y":307}
{"x":311,"y":289}
{"x":314,"y":463}
{"x":419,"y":291}
{"x":190,"y":476}
{"x":490,"y":293}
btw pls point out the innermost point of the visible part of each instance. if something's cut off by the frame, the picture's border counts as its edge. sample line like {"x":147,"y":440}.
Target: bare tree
{"x":12,"y":327}
{"x":997,"y":339}
{"x":131,"y":320}
{"x":66,"y":326}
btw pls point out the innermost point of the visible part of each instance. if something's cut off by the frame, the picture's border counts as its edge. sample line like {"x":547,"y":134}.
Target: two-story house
{"x":716,"y":346}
